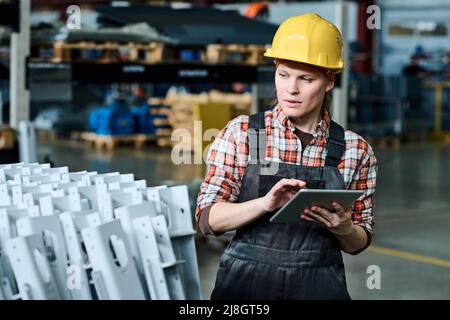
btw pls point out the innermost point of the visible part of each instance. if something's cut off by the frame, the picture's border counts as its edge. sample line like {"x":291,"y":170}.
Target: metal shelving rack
{"x":180,"y":25}
{"x":91,"y":73}
{"x":151,"y":73}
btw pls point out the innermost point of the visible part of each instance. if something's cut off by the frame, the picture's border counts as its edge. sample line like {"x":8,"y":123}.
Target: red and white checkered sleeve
{"x":365,"y":179}
{"x":223,"y":181}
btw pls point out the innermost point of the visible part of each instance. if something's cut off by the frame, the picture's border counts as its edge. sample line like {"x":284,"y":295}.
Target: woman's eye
{"x":282,"y":75}
{"x":309,"y":80}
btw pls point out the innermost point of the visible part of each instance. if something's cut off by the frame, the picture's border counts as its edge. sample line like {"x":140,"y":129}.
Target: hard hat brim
{"x":279,"y":57}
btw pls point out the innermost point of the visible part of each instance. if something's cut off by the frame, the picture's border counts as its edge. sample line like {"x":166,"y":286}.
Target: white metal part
{"x":8,"y":280}
{"x":32,"y":269}
{"x":72,"y":224}
{"x":8,"y":218}
{"x":114,"y":271}
{"x":184,"y":248}
{"x":129,"y":213}
{"x":152,"y":194}
{"x":11,"y":173}
{"x":11,"y":183}
{"x":176,"y":199}
{"x":67,"y":185}
{"x":49,"y":228}
{"x":178,"y":213}
{"x":134,"y":242}
{"x":59,"y":170}
{"x":140,"y":184}
{"x":99,"y":198}
{"x":8,"y":230}
{"x":55,"y":203}
{"x":82,"y":176}
{"x":14,"y":165}
{"x":162,"y":237}
{"x":17,"y":194}
{"x":150,"y":259}
{"x":42,"y":188}
{"x":54,"y":193}
{"x":36,"y":168}
{"x":72,"y":203}
{"x":158,"y":258}
{"x":46,"y":206}
{"x":127,"y":196}
{"x":116,"y":178}
{"x":46,"y":178}
{"x":99,"y":177}
{"x":5,"y":199}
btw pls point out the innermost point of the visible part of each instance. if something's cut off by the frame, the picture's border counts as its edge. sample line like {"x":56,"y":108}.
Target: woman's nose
{"x":292,"y":88}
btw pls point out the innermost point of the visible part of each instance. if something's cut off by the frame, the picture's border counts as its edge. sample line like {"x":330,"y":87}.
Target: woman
{"x":307,"y":149}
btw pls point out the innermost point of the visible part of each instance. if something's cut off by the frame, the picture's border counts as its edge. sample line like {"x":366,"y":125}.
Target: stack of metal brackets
{"x":85,"y":235}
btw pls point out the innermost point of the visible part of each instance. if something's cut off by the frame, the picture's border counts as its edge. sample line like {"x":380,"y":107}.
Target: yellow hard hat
{"x":310,"y":39}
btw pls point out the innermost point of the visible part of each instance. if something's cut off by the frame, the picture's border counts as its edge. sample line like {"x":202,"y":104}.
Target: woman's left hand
{"x":339,"y":222}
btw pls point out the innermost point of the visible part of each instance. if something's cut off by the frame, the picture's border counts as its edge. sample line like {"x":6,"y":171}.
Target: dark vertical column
{"x":365,"y":40}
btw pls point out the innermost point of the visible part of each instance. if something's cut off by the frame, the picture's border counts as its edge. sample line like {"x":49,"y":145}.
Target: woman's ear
{"x":330,"y":84}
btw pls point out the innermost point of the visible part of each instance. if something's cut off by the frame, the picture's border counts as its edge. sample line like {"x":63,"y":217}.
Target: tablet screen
{"x":291,"y":211}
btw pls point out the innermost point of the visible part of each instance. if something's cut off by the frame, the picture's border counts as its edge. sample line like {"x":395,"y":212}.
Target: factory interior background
{"x":119,"y":89}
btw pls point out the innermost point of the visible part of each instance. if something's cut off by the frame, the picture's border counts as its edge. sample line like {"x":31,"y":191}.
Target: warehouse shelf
{"x":150,"y":73}
{"x":192,"y":26}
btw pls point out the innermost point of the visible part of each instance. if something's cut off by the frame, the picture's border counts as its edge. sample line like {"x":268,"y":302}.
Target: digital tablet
{"x":291,"y":211}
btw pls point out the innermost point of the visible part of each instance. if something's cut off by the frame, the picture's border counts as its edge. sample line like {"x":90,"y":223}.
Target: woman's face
{"x":300,"y":88}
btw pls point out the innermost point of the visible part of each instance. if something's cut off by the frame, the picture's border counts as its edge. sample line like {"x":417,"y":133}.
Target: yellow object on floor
{"x":7,"y":137}
{"x":211,"y":117}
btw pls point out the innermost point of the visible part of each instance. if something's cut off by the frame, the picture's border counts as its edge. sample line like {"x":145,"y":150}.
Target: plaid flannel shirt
{"x":229,"y":155}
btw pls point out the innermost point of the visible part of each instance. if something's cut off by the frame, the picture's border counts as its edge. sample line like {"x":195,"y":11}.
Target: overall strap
{"x":257,"y":136}
{"x":335,"y":145}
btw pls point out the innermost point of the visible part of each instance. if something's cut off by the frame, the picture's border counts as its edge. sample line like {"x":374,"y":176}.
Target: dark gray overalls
{"x":266,"y":260}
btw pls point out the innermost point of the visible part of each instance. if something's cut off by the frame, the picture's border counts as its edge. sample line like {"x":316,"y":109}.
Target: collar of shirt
{"x":282,"y":121}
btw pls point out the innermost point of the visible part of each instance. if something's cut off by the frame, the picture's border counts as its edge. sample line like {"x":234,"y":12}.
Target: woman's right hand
{"x":280,"y":193}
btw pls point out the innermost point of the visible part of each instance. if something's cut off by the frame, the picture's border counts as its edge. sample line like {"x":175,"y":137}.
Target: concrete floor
{"x":411,"y":242}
